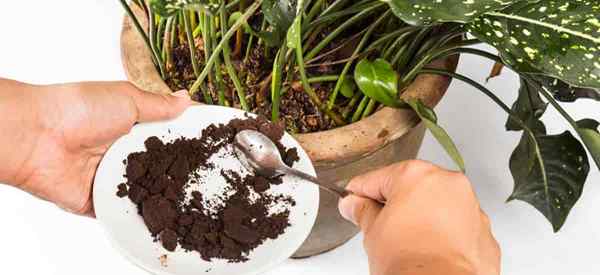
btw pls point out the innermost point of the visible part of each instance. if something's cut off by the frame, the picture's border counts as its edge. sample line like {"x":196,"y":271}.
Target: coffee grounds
{"x":157,"y":180}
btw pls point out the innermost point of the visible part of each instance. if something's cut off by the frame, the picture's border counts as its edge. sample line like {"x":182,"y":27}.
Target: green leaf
{"x":558,"y":38}
{"x":429,"y":117}
{"x":549,"y":173}
{"x":294,"y":36}
{"x":588,"y":130}
{"x":529,"y":107}
{"x":280,"y":13}
{"x":378,"y":80}
{"x":565,"y":92}
{"x":348,"y":87}
{"x":425,"y":12}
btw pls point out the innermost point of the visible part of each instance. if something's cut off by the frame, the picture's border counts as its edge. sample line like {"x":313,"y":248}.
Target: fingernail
{"x":182,"y":94}
{"x":346,"y":208}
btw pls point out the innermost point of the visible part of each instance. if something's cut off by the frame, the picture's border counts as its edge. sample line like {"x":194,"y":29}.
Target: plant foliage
{"x":350,"y":58}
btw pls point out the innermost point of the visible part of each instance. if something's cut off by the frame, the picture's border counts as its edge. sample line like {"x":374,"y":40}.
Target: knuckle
{"x":413,"y":167}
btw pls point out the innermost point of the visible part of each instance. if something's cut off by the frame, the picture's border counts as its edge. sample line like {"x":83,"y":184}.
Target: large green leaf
{"x":425,"y":12}
{"x":588,"y":130}
{"x":168,"y":8}
{"x":429,"y":118}
{"x":549,"y":173}
{"x":529,"y":107}
{"x":378,"y":80}
{"x":559,"y":38}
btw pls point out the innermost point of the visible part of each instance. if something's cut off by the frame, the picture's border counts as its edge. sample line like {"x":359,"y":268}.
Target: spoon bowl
{"x":258,"y":153}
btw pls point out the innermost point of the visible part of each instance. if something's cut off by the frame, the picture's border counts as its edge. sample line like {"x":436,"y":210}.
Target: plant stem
{"x":360,"y":109}
{"x":152,"y":38}
{"x":369,"y":109}
{"x":308,"y":89}
{"x":160,"y":33}
{"x":276,"y":83}
{"x":437,"y":54}
{"x":168,"y":42}
{"x":141,"y":31}
{"x":351,"y":105}
{"x":359,"y":47}
{"x":249,"y":12}
{"x":357,"y":18}
{"x":190,"y":42}
{"x":218,"y":75}
{"x":229,"y":66}
{"x":323,"y":78}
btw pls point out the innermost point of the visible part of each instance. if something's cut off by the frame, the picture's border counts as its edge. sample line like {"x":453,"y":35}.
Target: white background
{"x":66,"y":40}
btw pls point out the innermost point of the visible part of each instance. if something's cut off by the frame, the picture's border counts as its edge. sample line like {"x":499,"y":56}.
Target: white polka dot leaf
{"x":557,"y":38}
{"x":549,"y":172}
{"x":425,"y":12}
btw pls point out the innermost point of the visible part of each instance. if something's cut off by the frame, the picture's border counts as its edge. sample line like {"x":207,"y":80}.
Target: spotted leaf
{"x":549,"y":173}
{"x":529,"y":107}
{"x":565,"y":92}
{"x":558,"y":38}
{"x":425,"y":12}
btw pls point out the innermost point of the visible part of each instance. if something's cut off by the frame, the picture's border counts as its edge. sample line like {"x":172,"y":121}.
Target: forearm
{"x":17,"y":130}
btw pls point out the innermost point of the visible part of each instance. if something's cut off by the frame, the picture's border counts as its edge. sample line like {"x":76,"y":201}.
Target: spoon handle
{"x":336,"y":190}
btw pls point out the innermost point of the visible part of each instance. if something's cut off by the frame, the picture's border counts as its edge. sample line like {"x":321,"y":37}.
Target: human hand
{"x":431,"y":223}
{"x":73,"y":126}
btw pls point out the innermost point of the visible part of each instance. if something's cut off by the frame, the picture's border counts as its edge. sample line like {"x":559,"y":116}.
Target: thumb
{"x":155,"y":107}
{"x":360,"y":211}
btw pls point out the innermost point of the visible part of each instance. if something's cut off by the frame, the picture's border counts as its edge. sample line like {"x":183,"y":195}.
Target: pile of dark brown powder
{"x":157,"y":180}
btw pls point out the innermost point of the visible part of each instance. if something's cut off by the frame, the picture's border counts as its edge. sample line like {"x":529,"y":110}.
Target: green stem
{"x":229,"y":66}
{"x":238,"y":24}
{"x":359,"y":47}
{"x":276,"y":83}
{"x":369,"y":109}
{"x":351,"y":105}
{"x":218,"y":74}
{"x":152,"y":38}
{"x":323,"y":78}
{"x":353,"y":20}
{"x":167,"y":44}
{"x":190,"y":42}
{"x":141,"y":31}
{"x":360,"y":109}
{"x":435,"y":55}
{"x":160,"y":33}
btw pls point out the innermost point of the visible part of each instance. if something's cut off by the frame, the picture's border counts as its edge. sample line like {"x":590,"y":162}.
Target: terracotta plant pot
{"x":386,"y":137}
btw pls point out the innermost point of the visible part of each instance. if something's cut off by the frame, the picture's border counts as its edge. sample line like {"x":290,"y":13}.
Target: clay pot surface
{"x":387,"y":136}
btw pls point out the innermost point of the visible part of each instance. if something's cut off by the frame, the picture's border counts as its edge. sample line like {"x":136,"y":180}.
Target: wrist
{"x":425,"y":264}
{"x":19,"y":131}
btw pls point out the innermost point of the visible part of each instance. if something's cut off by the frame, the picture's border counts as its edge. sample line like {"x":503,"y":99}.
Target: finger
{"x":155,"y":107}
{"x":360,"y":211}
{"x":380,"y":184}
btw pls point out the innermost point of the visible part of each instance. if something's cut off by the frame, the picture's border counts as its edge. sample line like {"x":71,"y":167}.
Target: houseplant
{"x":341,"y":61}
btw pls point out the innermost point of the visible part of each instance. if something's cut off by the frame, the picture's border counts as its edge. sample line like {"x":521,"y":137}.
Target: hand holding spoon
{"x":258,"y":153}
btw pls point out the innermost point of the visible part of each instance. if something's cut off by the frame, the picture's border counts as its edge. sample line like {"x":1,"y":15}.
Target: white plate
{"x":130,"y":236}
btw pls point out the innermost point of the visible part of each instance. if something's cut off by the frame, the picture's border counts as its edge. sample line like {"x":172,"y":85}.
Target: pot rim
{"x":348,"y":142}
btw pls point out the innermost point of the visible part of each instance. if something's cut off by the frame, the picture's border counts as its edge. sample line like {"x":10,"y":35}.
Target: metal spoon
{"x":258,"y":153}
